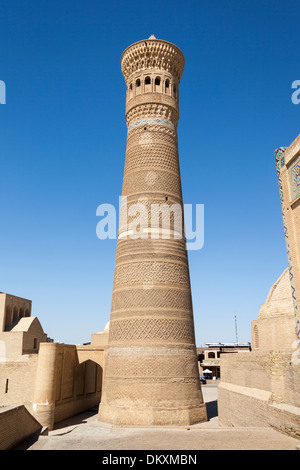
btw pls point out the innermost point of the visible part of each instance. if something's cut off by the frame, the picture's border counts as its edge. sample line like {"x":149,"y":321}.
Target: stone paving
{"x":84,"y":432}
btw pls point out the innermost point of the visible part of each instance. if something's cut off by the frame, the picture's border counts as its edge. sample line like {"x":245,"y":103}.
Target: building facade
{"x":209,"y":357}
{"x":20,"y":333}
{"x":288,"y":174}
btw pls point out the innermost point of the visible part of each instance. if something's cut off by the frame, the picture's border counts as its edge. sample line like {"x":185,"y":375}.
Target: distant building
{"x":20,"y":333}
{"x":209,"y":356}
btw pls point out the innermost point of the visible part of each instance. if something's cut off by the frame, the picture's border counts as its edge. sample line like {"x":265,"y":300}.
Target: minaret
{"x":151,"y":374}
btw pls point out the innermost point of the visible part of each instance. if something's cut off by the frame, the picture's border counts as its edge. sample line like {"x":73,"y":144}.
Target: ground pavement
{"x":84,"y":432}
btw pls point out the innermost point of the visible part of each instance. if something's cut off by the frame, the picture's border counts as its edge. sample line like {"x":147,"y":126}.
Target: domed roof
{"x":279,"y":300}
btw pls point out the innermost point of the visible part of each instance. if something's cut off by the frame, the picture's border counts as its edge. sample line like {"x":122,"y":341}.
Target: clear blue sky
{"x":60,"y":61}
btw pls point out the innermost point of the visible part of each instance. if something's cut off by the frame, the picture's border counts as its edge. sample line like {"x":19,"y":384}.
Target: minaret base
{"x":125,"y":416}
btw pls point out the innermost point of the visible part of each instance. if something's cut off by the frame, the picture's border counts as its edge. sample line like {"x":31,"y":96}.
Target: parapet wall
{"x":16,"y":425}
{"x":261,"y":389}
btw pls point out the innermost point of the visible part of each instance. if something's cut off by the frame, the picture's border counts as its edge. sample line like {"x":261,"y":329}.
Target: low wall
{"x":16,"y":425}
{"x":261,"y":390}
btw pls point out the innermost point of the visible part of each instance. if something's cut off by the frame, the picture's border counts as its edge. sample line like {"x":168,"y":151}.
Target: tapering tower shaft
{"x":151,"y":374}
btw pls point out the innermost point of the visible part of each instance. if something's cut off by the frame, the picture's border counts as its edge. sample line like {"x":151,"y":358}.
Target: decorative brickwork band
{"x":144,"y":122}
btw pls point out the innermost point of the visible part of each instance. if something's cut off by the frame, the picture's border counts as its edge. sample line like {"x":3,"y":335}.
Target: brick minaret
{"x":151,"y":374}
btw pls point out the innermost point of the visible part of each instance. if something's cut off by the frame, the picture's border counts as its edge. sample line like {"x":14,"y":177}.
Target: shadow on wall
{"x":212,"y":409}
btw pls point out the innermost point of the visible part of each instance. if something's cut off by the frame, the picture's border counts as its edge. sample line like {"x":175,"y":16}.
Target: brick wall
{"x":16,"y":425}
{"x":260,"y":389}
{"x":17,"y":381}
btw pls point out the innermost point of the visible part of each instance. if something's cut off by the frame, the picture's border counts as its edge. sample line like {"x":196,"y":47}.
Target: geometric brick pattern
{"x":294,"y":176}
{"x":172,"y":299}
{"x":153,"y":328}
{"x":154,"y":272}
{"x":177,"y":364}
